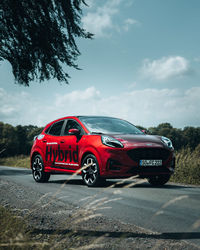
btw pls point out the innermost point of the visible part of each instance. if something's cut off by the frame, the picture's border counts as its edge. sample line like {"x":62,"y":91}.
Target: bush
{"x":187,"y":166}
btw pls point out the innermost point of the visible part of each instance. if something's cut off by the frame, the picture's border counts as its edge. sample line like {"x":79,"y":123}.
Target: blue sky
{"x":142,"y":65}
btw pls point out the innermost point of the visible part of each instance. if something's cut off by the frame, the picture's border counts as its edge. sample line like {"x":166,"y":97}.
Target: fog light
{"x":114,"y":165}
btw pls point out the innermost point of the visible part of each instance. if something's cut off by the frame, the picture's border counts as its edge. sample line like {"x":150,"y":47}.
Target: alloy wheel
{"x":90,"y":174}
{"x":37,"y":168}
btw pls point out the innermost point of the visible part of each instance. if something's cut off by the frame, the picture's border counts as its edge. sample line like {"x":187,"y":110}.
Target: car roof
{"x":82,"y":116}
{"x":77,"y":117}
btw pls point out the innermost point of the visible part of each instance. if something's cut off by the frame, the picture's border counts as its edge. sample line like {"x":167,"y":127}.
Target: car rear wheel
{"x":158,"y":180}
{"x":38,"y":170}
{"x":90,"y":174}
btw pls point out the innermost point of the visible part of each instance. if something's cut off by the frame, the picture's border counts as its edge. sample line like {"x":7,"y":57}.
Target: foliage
{"x":38,"y":37}
{"x":16,"y":140}
{"x":187,"y":166}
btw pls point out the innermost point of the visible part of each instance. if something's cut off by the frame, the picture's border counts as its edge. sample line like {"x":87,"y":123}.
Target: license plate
{"x":150,"y":163}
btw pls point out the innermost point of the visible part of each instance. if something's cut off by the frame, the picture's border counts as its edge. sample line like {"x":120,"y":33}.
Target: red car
{"x":103,"y":148}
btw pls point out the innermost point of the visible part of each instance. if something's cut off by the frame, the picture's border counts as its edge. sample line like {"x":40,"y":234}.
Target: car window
{"x":55,"y":129}
{"x":109,"y":125}
{"x":71,"y":124}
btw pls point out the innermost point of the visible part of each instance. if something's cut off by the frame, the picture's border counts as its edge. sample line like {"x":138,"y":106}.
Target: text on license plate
{"x":150,"y":162}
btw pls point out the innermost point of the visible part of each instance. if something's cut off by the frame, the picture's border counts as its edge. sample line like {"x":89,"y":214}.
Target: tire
{"x":90,"y":175}
{"x":38,"y":170}
{"x":158,"y":180}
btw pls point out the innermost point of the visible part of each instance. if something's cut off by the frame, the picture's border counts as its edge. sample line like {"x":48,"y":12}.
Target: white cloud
{"x":100,"y":22}
{"x":132,"y":85}
{"x":197,"y":59}
{"x":165,"y":68}
{"x":90,"y":4}
{"x":77,"y":96}
{"x":148,"y":107}
{"x":10,"y":105}
{"x":130,"y":22}
{"x":97,"y":23}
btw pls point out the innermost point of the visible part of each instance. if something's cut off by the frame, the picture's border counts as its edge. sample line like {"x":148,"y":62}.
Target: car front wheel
{"x":38,"y":170}
{"x":90,"y":171}
{"x":158,"y":180}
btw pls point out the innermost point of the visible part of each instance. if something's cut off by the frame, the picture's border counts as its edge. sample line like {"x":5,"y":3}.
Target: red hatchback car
{"x":103,"y":148}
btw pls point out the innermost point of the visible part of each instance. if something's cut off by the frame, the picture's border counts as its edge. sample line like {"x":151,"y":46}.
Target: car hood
{"x":140,"y":140}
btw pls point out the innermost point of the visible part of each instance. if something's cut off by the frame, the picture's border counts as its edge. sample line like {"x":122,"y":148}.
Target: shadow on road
{"x":170,"y":236}
{"x":70,"y":182}
{"x":117,"y":184}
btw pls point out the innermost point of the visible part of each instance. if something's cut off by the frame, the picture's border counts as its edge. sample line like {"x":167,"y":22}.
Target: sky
{"x":143,"y":65}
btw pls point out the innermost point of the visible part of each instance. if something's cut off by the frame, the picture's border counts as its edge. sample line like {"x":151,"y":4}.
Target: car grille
{"x":148,"y":154}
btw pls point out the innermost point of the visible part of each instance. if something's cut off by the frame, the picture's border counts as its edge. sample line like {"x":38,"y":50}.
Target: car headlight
{"x":111,"y":142}
{"x":167,"y":141}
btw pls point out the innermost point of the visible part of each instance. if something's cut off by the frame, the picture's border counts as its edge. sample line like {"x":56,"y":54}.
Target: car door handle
{"x":62,"y":141}
{"x":44,"y":140}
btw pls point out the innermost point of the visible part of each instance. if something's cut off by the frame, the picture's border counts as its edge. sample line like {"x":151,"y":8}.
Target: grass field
{"x":187,"y":165}
{"x":16,"y":161}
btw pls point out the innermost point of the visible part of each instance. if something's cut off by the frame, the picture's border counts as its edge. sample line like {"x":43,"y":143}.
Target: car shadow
{"x":137,"y":184}
{"x":118,"y":184}
{"x":70,"y":182}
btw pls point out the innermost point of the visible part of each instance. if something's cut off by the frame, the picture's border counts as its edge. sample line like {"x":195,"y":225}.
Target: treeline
{"x":18,"y":140}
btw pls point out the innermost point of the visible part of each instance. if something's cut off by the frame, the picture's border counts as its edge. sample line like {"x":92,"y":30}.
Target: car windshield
{"x":108,"y":125}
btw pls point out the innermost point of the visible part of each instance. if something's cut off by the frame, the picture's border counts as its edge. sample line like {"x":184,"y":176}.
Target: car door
{"x":69,"y":146}
{"x":52,"y":140}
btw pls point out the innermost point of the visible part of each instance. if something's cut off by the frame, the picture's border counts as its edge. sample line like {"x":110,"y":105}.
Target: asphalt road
{"x":173,"y":210}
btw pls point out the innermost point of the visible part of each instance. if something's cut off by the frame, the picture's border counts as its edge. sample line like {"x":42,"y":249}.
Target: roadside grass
{"x":187,"y":169}
{"x":16,"y":161}
{"x":14,"y":232}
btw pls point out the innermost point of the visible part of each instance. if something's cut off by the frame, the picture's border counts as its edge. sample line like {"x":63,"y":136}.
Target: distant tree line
{"x":18,"y":140}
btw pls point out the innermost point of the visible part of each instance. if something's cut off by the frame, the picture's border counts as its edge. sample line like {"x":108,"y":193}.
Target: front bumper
{"x":119,"y":163}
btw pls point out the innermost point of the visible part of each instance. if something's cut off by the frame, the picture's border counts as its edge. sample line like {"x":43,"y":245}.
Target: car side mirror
{"x":74,"y":131}
{"x":144,"y":131}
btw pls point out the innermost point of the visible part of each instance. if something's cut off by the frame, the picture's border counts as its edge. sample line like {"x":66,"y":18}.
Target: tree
{"x":38,"y":37}
{"x":8,"y":140}
{"x":191,"y":136}
{"x":22,"y":140}
{"x":32,"y":131}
